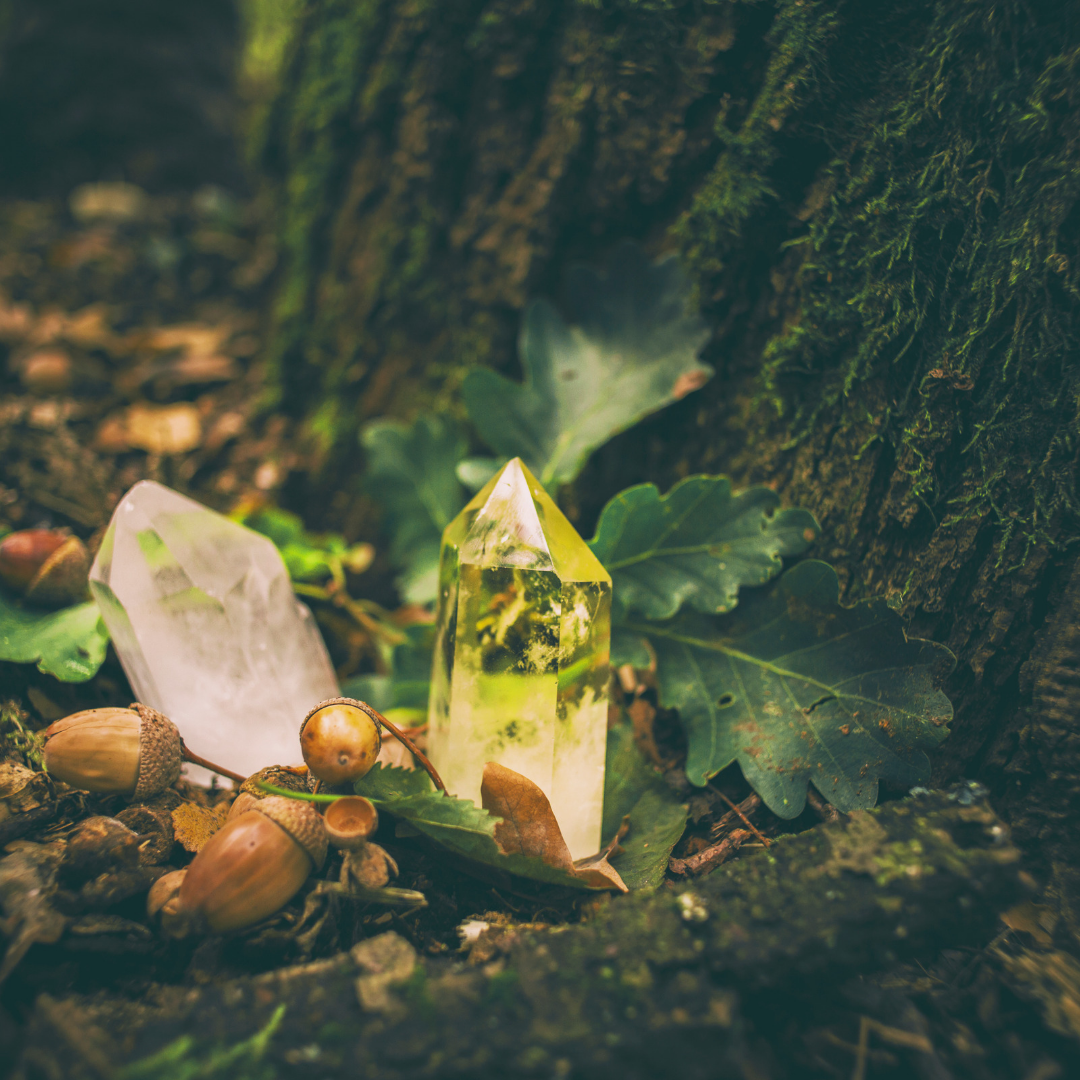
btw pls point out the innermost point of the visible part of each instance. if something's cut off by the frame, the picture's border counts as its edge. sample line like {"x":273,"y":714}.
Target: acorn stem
{"x":406,"y":741}
{"x":220,"y":770}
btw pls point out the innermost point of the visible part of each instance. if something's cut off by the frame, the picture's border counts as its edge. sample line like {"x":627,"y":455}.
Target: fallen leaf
{"x":1034,"y":919}
{"x":596,"y":869}
{"x":108,"y":201}
{"x":528,"y":827}
{"x":164,"y":429}
{"x":194,"y":825}
{"x":15,"y":320}
{"x":196,"y":339}
{"x":47,"y":371}
{"x":88,"y":328}
{"x":69,"y":644}
{"x":455,"y":824}
{"x":627,"y":347}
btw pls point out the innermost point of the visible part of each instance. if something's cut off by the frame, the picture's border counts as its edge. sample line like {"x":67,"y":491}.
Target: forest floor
{"x":131,"y":347}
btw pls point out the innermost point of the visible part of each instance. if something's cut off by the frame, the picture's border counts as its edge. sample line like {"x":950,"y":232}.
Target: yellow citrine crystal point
{"x":521,"y":654}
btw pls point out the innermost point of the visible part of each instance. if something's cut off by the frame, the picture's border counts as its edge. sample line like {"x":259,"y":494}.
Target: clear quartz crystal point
{"x":204,"y":620}
{"x":521,"y":655}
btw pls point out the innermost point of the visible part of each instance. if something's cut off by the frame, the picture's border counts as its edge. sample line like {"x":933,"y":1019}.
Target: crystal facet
{"x":521,"y":655}
{"x":204,"y":620}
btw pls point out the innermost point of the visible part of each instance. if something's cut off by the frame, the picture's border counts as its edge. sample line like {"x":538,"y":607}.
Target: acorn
{"x":46,"y":566}
{"x":253,"y":865}
{"x":349,"y":821}
{"x":340,"y":741}
{"x":134,"y":752}
{"x":292,"y":778}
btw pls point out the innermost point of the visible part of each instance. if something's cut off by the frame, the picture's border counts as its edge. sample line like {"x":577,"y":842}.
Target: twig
{"x":824,"y":810}
{"x":745,"y":820}
{"x":220,"y":770}
{"x":751,"y":802}
{"x":402,"y":738}
{"x":864,"y":1045}
{"x":710,"y":856}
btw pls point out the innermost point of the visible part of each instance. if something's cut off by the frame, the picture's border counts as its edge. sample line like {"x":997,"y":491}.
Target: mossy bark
{"x":878,"y":204}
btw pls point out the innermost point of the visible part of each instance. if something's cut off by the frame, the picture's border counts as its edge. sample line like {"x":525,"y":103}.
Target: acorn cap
{"x":160,"y":752}
{"x":281,"y":776}
{"x":350,"y":821}
{"x":300,"y":820}
{"x":334,"y":701}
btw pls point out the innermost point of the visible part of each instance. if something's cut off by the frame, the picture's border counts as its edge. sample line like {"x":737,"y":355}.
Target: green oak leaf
{"x":457,"y":825}
{"x":68,"y":644}
{"x":307,"y":556}
{"x":409,"y":681}
{"x":411,"y":473}
{"x":632,"y":786}
{"x":697,"y":545}
{"x":799,"y":689}
{"x":630,"y":349}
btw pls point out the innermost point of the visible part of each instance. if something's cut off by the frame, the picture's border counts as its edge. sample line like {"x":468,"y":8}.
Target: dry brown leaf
{"x":163,"y":429}
{"x":108,"y":200}
{"x":194,"y":825}
{"x":1034,"y":919}
{"x":195,"y":339}
{"x":89,"y":328}
{"x":528,"y":827}
{"x":596,"y":870}
{"x":15,"y":320}
{"x":47,"y":371}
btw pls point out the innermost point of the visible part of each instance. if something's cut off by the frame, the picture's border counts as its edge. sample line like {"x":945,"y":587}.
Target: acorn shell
{"x":24,"y":553}
{"x":253,"y":865}
{"x":63,"y":577}
{"x":96,"y":750}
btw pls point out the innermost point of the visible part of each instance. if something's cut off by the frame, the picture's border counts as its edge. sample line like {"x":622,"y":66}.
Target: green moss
{"x":934,"y":244}
{"x":876,"y":202}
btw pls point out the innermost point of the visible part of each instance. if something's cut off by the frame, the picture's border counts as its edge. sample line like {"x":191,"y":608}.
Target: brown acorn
{"x":292,"y":778}
{"x":340,"y":741}
{"x":134,"y":752}
{"x":46,"y":566}
{"x":253,"y":865}
{"x":350,"y":821}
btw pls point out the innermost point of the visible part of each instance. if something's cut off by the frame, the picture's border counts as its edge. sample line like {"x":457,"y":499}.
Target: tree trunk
{"x":878,"y":205}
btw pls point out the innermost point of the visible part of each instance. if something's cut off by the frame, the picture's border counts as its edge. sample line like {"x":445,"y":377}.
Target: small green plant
{"x":768,"y":670}
{"x":181,"y":1059}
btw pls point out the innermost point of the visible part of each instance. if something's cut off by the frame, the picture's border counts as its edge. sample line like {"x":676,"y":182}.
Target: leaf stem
{"x":403,"y":739}
{"x":187,"y":755}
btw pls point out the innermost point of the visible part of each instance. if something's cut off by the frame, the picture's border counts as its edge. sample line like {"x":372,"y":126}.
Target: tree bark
{"x":878,"y":205}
